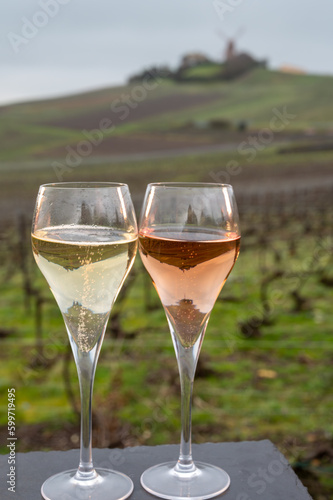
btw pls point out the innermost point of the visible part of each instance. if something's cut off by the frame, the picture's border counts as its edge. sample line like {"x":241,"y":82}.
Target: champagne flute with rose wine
{"x":188,"y":241}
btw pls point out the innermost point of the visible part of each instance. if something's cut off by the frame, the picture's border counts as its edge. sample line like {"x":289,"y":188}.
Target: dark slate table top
{"x":258,"y":471}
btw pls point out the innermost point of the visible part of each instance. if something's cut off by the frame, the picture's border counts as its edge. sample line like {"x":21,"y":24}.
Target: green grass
{"x":297,"y":347}
{"x":206,"y":70}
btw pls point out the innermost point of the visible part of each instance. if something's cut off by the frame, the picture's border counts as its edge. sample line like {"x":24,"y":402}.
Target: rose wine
{"x":85,"y":267}
{"x":188,"y":270}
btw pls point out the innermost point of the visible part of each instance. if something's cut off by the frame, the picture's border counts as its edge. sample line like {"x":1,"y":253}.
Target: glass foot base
{"x":106,"y":484}
{"x":206,"y":482}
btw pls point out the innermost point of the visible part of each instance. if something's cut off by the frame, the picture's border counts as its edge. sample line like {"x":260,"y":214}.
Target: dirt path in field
{"x":125,"y":110}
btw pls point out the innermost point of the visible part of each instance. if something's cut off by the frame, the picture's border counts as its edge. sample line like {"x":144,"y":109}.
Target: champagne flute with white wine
{"x":188,"y":241}
{"x":84,"y":240}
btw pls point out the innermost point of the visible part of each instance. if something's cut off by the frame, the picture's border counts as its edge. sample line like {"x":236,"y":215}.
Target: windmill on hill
{"x":237,"y":63}
{"x":230,"y":51}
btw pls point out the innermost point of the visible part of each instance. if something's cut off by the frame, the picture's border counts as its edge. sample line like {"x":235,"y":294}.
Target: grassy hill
{"x":276,"y":385}
{"x":162,"y":111}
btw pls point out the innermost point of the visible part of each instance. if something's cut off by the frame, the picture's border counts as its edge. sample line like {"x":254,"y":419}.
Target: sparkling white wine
{"x":85,"y":267}
{"x":188,"y":270}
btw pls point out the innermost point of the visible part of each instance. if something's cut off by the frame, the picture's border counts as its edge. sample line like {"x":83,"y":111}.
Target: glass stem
{"x":86,"y":365}
{"x":186,"y":364}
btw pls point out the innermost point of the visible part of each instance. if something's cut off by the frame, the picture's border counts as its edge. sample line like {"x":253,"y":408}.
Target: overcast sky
{"x":86,"y":44}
